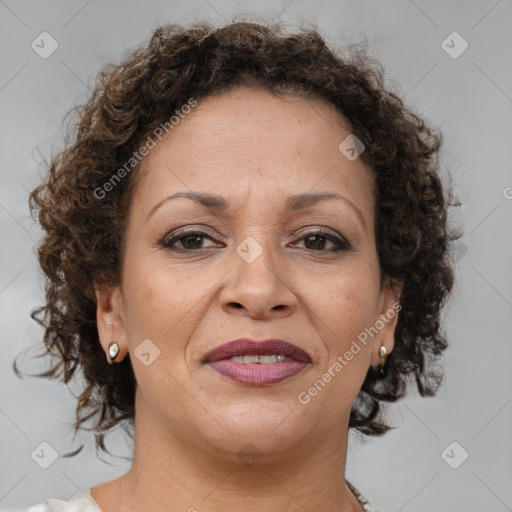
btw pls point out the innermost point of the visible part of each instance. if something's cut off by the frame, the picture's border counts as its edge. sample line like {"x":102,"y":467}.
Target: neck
{"x":170,"y":473}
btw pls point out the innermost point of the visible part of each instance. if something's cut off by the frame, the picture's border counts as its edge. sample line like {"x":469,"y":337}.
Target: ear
{"x":110,"y":320}
{"x":387,"y":318}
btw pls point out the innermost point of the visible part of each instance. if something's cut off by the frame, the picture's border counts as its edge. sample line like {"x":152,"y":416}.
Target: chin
{"x":265,"y":428}
{"x":251,"y":447}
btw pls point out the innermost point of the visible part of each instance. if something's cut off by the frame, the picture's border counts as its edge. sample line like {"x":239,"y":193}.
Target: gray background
{"x":469,"y":98}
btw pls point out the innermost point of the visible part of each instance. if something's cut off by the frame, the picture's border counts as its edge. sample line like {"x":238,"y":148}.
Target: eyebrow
{"x":294,"y":203}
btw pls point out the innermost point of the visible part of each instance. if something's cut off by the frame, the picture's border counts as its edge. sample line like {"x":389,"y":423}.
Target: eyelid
{"x":315,"y":228}
{"x":192,"y":229}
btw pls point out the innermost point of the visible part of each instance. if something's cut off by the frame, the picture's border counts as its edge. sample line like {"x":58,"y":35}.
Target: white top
{"x":84,"y":502}
{"x":81,"y":502}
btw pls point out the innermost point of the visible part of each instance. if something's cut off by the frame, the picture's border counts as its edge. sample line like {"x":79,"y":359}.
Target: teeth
{"x":246,"y":359}
{"x":274,"y":358}
{"x":269,"y":359}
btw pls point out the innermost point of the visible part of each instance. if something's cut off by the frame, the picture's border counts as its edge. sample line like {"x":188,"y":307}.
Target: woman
{"x":247,"y":252}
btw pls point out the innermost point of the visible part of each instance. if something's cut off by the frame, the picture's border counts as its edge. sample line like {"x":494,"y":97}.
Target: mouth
{"x":258,"y":363}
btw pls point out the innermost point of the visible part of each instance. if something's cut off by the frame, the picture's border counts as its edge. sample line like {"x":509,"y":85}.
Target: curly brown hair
{"x":83,"y":242}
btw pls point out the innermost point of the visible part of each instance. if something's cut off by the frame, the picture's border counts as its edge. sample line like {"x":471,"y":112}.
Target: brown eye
{"x":191,"y":241}
{"x":317,"y":241}
{"x":188,"y":241}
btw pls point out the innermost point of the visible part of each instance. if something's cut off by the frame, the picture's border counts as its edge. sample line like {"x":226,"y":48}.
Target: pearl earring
{"x":113,"y":350}
{"x":382,"y":365}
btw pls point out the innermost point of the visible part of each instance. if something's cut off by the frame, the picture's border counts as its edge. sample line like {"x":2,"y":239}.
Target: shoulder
{"x":367,"y":506}
{"x":80,"y":502}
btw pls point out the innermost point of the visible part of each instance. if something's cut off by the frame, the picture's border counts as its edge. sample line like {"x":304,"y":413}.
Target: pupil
{"x":189,"y":237}
{"x":317,"y":238}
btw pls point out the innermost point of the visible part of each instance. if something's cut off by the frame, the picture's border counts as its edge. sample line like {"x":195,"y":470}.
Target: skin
{"x":255,"y":150}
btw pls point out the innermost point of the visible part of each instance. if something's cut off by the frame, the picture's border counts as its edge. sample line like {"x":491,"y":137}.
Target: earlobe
{"x":110,"y":324}
{"x":387,"y":321}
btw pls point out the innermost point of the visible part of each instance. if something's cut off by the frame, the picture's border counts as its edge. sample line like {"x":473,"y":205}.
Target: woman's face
{"x":257,"y":270}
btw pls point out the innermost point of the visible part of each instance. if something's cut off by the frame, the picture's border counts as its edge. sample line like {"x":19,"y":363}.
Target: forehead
{"x":250,"y":143}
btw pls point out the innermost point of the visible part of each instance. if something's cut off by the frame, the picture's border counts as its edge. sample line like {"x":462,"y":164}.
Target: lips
{"x":237,"y":361}
{"x":248,"y":347}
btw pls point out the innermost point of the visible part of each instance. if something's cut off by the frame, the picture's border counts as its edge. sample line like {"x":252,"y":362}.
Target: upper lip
{"x":251,"y":347}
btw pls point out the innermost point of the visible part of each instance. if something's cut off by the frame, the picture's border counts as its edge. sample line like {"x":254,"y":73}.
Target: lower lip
{"x":258,"y":374}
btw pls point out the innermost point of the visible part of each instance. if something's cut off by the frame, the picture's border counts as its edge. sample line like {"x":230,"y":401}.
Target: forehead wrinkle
{"x":218,"y":204}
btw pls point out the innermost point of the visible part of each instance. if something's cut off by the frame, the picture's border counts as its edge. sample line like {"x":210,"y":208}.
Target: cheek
{"x":162,"y":303}
{"x":342,"y":306}
{"x":343,"y":302}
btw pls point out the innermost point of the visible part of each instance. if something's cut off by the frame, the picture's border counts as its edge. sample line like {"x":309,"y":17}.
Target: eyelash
{"x":341,"y":244}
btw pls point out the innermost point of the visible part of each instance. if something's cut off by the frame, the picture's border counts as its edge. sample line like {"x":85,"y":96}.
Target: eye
{"x":189,"y":240}
{"x":317,"y":240}
{"x":314,"y":241}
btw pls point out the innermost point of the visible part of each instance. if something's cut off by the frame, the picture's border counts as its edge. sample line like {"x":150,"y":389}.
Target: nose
{"x":258,"y":288}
